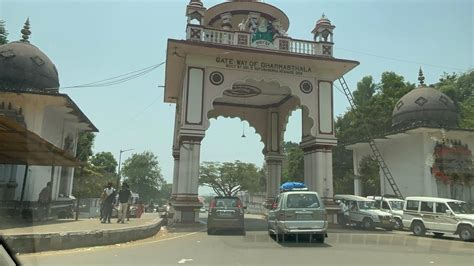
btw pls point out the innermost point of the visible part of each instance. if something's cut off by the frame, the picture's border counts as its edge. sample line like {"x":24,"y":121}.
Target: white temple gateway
{"x":238,"y":61}
{"x":427,"y":152}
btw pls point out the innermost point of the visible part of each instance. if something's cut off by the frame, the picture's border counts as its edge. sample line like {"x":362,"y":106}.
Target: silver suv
{"x":298,"y":212}
{"x":438,"y":216}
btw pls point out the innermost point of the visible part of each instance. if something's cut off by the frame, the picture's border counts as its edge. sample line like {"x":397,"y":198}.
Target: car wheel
{"x":368,"y":224}
{"x":418,"y":229}
{"x":438,"y":235}
{"x":466,"y":233}
{"x":398,"y":224}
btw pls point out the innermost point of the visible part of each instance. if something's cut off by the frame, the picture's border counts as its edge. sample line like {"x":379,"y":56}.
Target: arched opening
{"x":232,"y":152}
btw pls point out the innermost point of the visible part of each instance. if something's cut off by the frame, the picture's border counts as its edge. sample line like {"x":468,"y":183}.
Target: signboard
{"x":253,"y":65}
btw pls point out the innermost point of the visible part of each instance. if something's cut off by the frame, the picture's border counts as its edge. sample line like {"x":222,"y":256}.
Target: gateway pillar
{"x":274,"y":169}
{"x":185,"y":202}
{"x":318,"y":174}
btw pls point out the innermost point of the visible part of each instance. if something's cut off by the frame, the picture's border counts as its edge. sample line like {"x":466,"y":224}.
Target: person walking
{"x":109,"y":195}
{"x":124,"y":196}
{"x":43,"y":201}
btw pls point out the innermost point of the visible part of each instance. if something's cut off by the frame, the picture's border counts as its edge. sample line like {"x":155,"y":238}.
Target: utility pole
{"x":120,"y":165}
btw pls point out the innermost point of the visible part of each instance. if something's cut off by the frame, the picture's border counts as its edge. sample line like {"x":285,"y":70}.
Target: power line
{"x":400,"y":59}
{"x":118,"y":79}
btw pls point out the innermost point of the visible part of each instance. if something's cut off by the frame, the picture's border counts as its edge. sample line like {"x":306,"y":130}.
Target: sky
{"x":95,"y":40}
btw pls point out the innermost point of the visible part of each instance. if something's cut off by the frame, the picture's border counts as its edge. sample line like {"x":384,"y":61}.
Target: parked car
{"x":438,"y":216}
{"x":297,"y":211}
{"x":364,"y":213}
{"x":393,"y":206}
{"x":225,"y":213}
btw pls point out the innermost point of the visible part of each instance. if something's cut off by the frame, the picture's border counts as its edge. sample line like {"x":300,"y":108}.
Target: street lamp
{"x":119,"y":166}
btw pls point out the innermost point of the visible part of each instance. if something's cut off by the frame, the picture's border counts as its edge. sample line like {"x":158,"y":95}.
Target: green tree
{"x":85,"y":143}
{"x":375,"y":103}
{"x":3,"y":33}
{"x":98,"y":170}
{"x":90,"y":181}
{"x":369,"y":173}
{"x":143,"y":174}
{"x":105,"y":161}
{"x":227,"y":179}
{"x":460,"y":88}
{"x":164,"y":194}
{"x":293,"y":165}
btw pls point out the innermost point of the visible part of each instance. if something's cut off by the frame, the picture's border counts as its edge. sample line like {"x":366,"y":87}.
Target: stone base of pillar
{"x":186,"y":209}
{"x":332,"y":210}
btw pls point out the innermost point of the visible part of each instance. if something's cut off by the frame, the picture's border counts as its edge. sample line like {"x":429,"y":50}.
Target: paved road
{"x":256,"y":248}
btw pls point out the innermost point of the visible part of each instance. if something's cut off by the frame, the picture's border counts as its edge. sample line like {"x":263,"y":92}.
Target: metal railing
{"x":239,"y":38}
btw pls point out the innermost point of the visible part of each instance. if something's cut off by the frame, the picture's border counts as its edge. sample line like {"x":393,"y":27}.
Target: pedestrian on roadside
{"x":345,"y":213}
{"x":103,"y":196}
{"x":140,"y":209}
{"x":110,"y":193}
{"x":43,"y":201}
{"x":130,"y":202}
{"x":124,"y":196}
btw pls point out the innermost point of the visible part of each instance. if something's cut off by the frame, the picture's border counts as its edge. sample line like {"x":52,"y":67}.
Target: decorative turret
{"x":195,"y":11}
{"x":323,"y":31}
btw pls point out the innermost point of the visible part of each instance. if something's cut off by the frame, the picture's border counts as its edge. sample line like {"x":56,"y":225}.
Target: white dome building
{"x":426,"y":151}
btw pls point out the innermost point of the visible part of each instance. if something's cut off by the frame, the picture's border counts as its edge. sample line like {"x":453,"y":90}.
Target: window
{"x":426,"y":206}
{"x":441,"y":208}
{"x":226,"y":202}
{"x":302,"y":201}
{"x":412,"y":205}
{"x":385,"y":205}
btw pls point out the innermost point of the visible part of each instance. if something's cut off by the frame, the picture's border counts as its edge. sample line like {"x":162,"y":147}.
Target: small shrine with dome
{"x":426,"y":150}
{"x":39,"y":129}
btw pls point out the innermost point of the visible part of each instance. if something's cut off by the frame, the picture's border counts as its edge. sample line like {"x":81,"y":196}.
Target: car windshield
{"x":302,"y":201}
{"x":396,"y":205}
{"x":367,"y":205}
{"x":460,"y":207}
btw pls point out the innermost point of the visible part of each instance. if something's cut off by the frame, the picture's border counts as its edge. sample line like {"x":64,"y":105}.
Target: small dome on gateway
{"x":235,"y":12}
{"x":424,"y":106}
{"x":25,"y":67}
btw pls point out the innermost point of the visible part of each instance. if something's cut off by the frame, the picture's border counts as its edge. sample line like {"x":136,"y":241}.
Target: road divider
{"x":30,"y":243}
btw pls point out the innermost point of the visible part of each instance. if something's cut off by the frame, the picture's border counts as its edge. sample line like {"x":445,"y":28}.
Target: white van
{"x":438,"y":216}
{"x":363,"y":213}
{"x":393,"y":206}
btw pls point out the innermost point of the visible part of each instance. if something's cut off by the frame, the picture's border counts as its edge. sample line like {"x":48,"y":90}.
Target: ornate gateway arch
{"x":237,"y":61}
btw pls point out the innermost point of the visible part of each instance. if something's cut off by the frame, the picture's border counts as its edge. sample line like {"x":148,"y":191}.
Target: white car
{"x":438,"y":216}
{"x":364,"y":213}
{"x":393,"y":206}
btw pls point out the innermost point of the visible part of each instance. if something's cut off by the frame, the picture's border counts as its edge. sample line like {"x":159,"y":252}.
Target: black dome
{"x":23,"y":66}
{"x":425,"y":106}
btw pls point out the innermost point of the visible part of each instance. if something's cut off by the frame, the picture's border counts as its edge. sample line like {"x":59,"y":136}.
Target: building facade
{"x":427,"y":152}
{"x":31,"y":103}
{"x":238,"y":61}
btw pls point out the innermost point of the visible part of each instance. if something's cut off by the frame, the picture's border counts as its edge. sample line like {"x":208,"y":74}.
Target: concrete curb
{"x":30,"y":243}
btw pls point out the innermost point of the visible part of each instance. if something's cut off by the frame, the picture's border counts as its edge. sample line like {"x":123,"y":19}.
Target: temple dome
{"x":425,"y":106}
{"x":25,"y":67}
{"x":240,"y":10}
